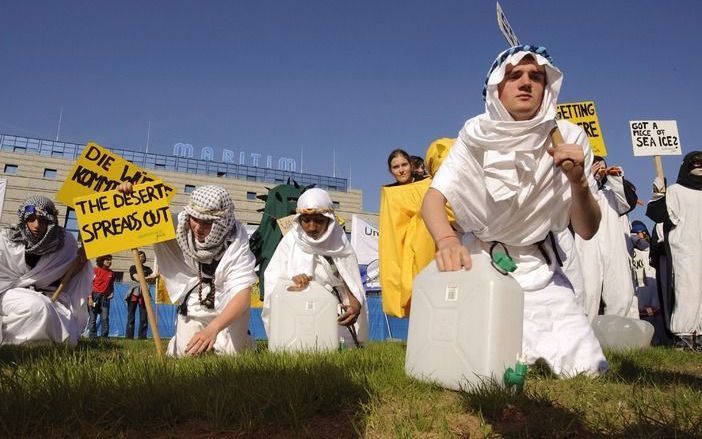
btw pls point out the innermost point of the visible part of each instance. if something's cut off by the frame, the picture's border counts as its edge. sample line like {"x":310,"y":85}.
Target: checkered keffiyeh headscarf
{"x":41,"y":207}
{"x":537,"y":50}
{"x":207,"y":203}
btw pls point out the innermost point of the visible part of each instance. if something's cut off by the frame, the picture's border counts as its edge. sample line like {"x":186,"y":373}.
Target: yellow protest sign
{"x":112,"y":221}
{"x":584,"y":114}
{"x":98,"y":170}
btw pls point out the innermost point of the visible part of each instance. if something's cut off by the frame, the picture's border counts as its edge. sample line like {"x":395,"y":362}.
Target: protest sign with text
{"x":98,"y":170}
{"x":655,"y":137}
{"x":505,"y":27}
{"x":113,"y":221}
{"x":584,"y":114}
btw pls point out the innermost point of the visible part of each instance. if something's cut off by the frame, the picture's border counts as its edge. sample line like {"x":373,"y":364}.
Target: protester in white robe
{"x":570,"y":263}
{"x":34,"y":256}
{"x":645,"y":282}
{"x":680,"y":209}
{"x":208,"y":271}
{"x":606,"y":260}
{"x":302,"y":255}
{"x":505,"y":184}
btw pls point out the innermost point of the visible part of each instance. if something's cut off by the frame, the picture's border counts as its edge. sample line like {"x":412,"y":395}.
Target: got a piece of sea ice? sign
{"x":112,"y":221}
{"x":655,"y":137}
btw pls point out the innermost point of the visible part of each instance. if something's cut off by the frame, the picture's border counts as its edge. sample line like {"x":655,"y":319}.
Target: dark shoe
{"x":685,"y":342}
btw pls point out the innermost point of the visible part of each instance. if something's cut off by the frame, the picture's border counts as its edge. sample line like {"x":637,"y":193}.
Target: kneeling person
{"x":506,"y":185}
{"x":316,"y":248}
{"x":208,"y":270}
{"x":34,"y":256}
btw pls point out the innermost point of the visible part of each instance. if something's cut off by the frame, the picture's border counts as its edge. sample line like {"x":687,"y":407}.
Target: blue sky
{"x":352,"y":80}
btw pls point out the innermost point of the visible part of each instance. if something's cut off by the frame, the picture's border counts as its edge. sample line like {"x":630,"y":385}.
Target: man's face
{"x":200,"y":228}
{"x":37,"y":226}
{"x":314,"y":225}
{"x":522,"y":89}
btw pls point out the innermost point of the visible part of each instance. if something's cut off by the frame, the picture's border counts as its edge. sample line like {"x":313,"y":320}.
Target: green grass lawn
{"x":118,"y":388}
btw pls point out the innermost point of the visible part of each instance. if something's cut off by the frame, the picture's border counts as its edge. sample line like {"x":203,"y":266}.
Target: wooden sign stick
{"x":513,"y":40}
{"x":147,"y":301}
{"x":659,"y":167}
{"x":557,"y":139}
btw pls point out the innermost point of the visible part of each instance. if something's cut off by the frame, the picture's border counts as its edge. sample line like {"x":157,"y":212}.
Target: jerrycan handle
{"x":501,"y":261}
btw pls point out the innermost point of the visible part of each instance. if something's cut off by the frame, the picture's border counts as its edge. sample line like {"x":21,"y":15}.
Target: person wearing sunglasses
{"x":35,"y":254}
{"x":316,"y":248}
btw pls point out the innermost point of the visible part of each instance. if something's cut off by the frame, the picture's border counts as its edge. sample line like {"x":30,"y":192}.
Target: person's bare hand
{"x":201,"y":342}
{"x":126,"y":187}
{"x":451,"y":255}
{"x":300,"y":281}
{"x":616,"y":171}
{"x":351,"y":312}
{"x":574,"y":153}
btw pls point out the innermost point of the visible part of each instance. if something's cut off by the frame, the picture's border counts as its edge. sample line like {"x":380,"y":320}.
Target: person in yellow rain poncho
{"x":405,"y":245}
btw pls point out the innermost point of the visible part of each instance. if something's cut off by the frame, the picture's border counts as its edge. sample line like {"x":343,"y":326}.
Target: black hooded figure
{"x":680,"y":210}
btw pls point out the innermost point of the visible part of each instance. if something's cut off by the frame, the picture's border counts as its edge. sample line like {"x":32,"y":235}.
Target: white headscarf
{"x":332,"y":243}
{"x":510,"y":145}
{"x":207,"y":203}
{"x":498,"y":177}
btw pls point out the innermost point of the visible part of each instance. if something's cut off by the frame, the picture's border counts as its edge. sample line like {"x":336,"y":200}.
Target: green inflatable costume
{"x":281,"y":201}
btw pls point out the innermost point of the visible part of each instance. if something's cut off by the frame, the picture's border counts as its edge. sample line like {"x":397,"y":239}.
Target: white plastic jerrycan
{"x":616,"y":332}
{"x":465,"y":326}
{"x":303,"y":320}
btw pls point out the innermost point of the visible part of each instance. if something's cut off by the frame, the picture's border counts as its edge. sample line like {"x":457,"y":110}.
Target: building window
{"x":335,"y":204}
{"x":49,"y":173}
{"x":71,"y":223}
{"x":189,"y":188}
{"x":10,"y":169}
{"x":251,"y":195}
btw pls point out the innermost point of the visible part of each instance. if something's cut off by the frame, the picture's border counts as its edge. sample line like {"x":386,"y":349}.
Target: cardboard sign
{"x":655,"y":137}
{"x":99,"y":170}
{"x":584,"y":114}
{"x":286,"y":223}
{"x":112,"y":221}
{"x":505,"y":27}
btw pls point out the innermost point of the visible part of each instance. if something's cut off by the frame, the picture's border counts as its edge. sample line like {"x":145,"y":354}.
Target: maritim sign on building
{"x":228,"y":156}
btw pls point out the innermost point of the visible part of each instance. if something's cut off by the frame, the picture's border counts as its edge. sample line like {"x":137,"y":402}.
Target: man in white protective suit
{"x":504,"y":180}
{"x":34,"y":257}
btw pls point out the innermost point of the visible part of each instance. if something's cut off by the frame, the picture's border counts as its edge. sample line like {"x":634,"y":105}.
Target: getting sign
{"x":584,"y":114}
